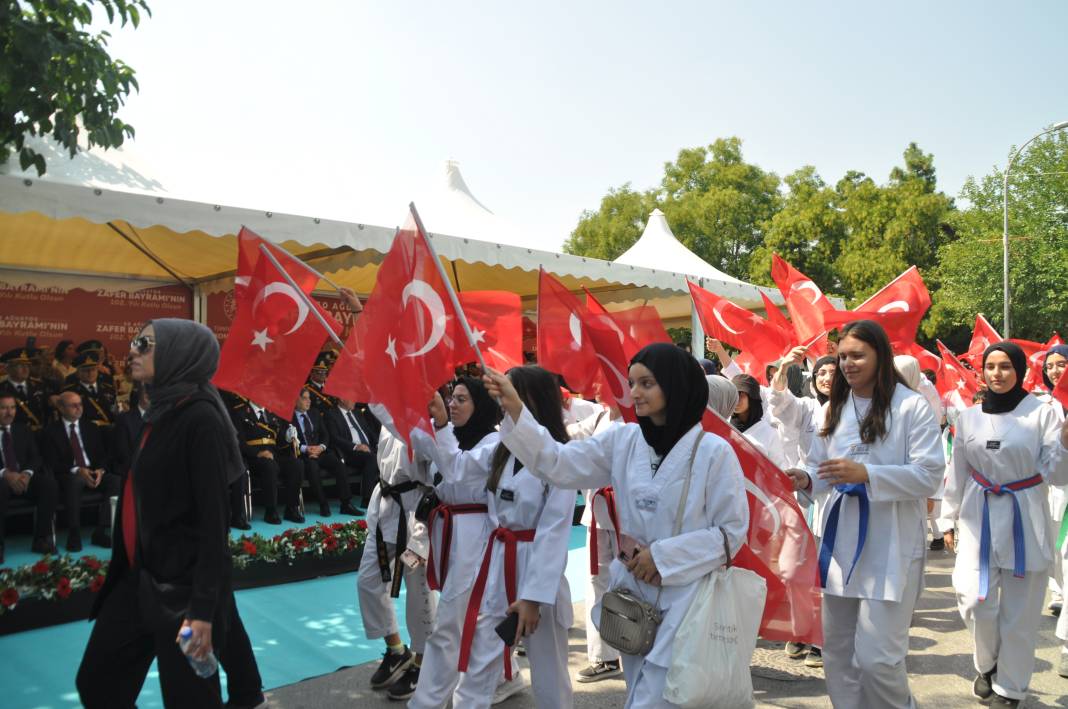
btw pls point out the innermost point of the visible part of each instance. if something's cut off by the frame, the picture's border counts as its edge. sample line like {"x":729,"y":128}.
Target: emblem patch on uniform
{"x":508,"y":495}
{"x":993,"y":445}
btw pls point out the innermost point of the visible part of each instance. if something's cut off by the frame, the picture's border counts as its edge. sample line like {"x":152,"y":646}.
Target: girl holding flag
{"x":647,"y":464}
{"x":879,"y":449}
{"x":1005,"y":454}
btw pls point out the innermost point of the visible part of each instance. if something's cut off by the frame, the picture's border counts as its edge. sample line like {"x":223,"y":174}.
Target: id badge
{"x":858,"y":450}
{"x":646,"y":499}
{"x":993,"y":445}
{"x":508,"y":495}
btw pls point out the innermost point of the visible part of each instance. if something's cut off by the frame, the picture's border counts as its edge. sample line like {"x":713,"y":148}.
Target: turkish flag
{"x":752,"y":366}
{"x":563,"y":346}
{"x":496,"y":320}
{"x":805,"y":302}
{"x":409,"y":332}
{"x":898,"y":307}
{"x":983,"y":335}
{"x":347,"y":379}
{"x":641,"y":324}
{"x":779,"y":545}
{"x":954,"y":379}
{"x":738,"y":327}
{"x":926,"y":358}
{"x":273,"y":342}
{"x":1060,"y":392}
{"x":778,"y":320}
{"x":614,"y":348}
{"x":248,"y":255}
{"x":1036,"y":358}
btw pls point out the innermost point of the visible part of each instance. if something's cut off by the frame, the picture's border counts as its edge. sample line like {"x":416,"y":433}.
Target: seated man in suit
{"x":315,"y":455}
{"x":354,"y":438}
{"x":77,"y":453}
{"x":265,"y":441}
{"x":31,"y":394}
{"x":98,"y":397}
{"x":23,"y":473}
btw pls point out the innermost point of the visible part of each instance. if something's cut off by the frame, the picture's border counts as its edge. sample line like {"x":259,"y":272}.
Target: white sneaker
{"x":509,"y":687}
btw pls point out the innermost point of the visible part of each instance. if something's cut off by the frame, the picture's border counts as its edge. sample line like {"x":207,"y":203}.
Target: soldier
{"x":95,"y":347}
{"x":266,"y":441}
{"x":321,"y":401}
{"x":31,"y":395}
{"x":97,"y":396}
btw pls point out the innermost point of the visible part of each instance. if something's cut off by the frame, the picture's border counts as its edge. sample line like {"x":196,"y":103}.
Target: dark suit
{"x":59,"y":457}
{"x":255,"y":436}
{"x":98,"y":407}
{"x":31,"y":402}
{"x":362,"y":464}
{"x":42,"y":487}
{"x":321,"y":401}
{"x":313,"y":432}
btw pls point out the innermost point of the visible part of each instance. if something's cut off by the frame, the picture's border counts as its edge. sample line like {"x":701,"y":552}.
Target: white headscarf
{"x":722,"y":395}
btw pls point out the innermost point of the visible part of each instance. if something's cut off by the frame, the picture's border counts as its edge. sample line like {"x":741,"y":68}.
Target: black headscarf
{"x":748,"y":385}
{"x":484,"y":418}
{"x":994,"y":403}
{"x":682,"y":380}
{"x":186,"y":357}
{"x":820,"y":364}
{"x":1061,"y":350}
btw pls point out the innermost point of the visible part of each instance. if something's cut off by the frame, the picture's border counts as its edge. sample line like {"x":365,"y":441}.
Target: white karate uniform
{"x":647,"y":506}
{"x":521,"y":502}
{"x":801,"y":419}
{"x":1058,"y":500}
{"x":439,"y":676}
{"x":866,"y":621}
{"x":376,"y":606}
{"x":1005,"y":625}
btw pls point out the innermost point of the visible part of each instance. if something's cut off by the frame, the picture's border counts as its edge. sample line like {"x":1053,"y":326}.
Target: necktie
{"x":10,"y":461}
{"x":359,"y":431}
{"x":92,"y":389}
{"x":304,"y":428}
{"x":21,"y":389}
{"x":76,"y":446}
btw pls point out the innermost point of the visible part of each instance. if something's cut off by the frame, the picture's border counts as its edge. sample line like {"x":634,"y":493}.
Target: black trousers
{"x":238,"y":488}
{"x":72,"y":487}
{"x":42,"y":491}
{"x":364,"y":467}
{"x":268,"y":472}
{"x":327,"y":463}
{"x":243,"y":682}
{"x":120,"y":650}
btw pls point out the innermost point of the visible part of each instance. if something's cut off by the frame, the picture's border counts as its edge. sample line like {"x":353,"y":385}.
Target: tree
{"x":55,"y":75}
{"x":807,"y":232}
{"x":970,"y":269}
{"x":612,"y":229}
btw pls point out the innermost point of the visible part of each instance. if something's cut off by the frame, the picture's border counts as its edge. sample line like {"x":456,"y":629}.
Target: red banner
{"x":78,"y":308}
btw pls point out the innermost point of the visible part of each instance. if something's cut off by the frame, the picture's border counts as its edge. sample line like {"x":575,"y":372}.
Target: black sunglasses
{"x":142,"y":344}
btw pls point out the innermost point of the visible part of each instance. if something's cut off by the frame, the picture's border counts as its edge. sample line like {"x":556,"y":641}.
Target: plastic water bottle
{"x":204,"y":668}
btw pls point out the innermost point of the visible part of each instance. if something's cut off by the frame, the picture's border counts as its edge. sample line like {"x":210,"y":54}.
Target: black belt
{"x":393,"y":577}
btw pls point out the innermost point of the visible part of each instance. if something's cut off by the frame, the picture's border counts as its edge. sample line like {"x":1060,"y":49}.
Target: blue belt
{"x":1018,"y":546}
{"x":830,"y":529}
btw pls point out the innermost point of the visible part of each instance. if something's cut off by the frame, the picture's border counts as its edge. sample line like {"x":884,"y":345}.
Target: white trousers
{"x":546,"y":652}
{"x":376,"y":607}
{"x":1004,"y":627}
{"x":596,"y":649}
{"x":645,"y":684}
{"x":1062,"y":621}
{"x":438,"y":677}
{"x":864,"y":647}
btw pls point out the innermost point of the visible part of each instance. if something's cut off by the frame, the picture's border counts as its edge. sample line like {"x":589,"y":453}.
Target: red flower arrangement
{"x":50,"y":578}
{"x":9,"y":598}
{"x":320,"y":540}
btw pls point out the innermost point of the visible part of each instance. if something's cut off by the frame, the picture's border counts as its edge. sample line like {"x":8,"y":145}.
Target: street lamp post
{"x":1005,"y":219}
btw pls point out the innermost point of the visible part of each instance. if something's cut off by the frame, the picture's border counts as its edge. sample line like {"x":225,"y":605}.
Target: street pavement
{"x":939,"y":663}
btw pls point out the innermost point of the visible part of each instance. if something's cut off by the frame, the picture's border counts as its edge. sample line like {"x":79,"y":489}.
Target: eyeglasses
{"x":142,"y":345}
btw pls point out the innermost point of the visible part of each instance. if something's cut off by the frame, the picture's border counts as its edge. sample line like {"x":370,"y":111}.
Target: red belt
{"x":510,"y":538}
{"x":609,"y":496}
{"x":445,"y":512}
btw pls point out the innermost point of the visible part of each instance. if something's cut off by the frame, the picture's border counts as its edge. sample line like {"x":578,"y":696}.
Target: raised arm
{"x":576,"y":465}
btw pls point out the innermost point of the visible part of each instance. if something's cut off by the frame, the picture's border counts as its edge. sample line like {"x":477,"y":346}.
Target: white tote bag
{"x":714,"y":644}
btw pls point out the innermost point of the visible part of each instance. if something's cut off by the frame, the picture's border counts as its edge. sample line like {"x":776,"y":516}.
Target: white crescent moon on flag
{"x":575,"y":326}
{"x":809,"y":286}
{"x":715,"y":311}
{"x":625,"y":399}
{"x":241,"y":281}
{"x":759,"y":494}
{"x":421,"y":291}
{"x":288,"y":291}
{"x":895,"y":305}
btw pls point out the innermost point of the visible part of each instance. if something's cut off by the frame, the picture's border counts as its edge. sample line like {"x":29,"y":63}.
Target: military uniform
{"x":31,"y":395}
{"x":98,"y":398}
{"x":96,"y":349}
{"x":320,"y":400}
{"x":259,"y":431}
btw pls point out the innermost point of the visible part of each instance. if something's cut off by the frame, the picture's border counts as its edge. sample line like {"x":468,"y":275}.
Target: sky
{"x":349,"y":110}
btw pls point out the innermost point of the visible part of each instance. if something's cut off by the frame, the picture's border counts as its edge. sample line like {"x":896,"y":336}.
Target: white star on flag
{"x":260,"y":339}
{"x":391,"y":349}
{"x":478,"y":335}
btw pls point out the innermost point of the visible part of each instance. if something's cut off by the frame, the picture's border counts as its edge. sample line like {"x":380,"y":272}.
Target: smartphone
{"x":507,"y":628}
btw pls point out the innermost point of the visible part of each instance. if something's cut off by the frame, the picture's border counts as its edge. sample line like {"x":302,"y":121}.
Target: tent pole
{"x":151,"y":256}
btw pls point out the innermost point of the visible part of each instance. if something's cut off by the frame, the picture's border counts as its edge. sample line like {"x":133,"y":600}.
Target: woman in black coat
{"x":170,"y":564}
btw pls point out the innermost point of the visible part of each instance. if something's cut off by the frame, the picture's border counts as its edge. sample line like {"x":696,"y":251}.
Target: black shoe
{"x":74,"y":542}
{"x":241,"y":524}
{"x":405,"y":686}
{"x":271,"y":517}
{"x":324,"y":510}
{"x":101,"y":538}
{"x":981,"y":686}
{"x":391,"y":668}
{"x":1000,"y":702}
{"x":937,"y":544}
{"x":347,"y":509}
{"x":796,"y":650}
{"x":42,"y":545}
{"x":294,"y":516}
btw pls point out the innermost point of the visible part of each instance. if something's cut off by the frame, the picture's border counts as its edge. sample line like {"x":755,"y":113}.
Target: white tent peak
{"x":454,"y":182}
{"x":117,"y":168}
{"x":658,"y":248}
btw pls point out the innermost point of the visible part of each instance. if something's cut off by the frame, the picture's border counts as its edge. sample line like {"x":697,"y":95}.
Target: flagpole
{"x":306,"y":265}
{"x":448,"y":286}
{"x":307,"y":301}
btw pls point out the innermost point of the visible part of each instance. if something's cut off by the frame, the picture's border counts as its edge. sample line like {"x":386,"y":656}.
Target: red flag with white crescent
{"x":737,"y":326}
{"x":563,"y":345}
{"x":805,"y":302}
{"x":983,"y":335}
{"x":954,"y":379}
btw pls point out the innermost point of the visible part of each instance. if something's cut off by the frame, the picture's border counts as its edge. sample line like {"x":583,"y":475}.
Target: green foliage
{"x":970,"y":268}
{"x":54,"y":75}
{"x":612,"y":229}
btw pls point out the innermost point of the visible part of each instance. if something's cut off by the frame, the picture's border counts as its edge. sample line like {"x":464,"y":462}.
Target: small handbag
{"x":628,"y":622}
{"x":426,"y":505}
